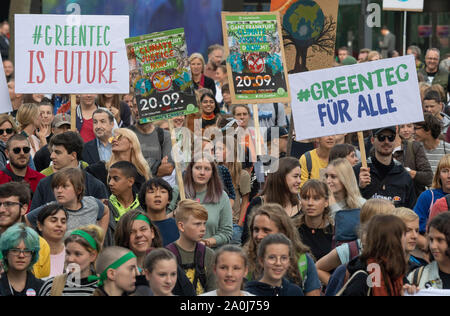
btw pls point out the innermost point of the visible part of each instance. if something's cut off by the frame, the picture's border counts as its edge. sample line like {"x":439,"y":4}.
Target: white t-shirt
{"x":57,"y":263}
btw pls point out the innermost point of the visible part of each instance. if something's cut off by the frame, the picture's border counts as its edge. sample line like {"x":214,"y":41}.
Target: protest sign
{"x":403,"y":5}
{"x":256,"y":63}
{"x":355,"y":98}
{"x":5,"y":101}
{"x":61,"y":54}
{"x":160,"y":75}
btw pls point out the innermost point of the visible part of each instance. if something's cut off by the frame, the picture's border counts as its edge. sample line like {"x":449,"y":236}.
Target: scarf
{"x":392,"y":288}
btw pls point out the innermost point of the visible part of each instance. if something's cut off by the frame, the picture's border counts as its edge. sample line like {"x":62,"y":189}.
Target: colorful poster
{"x":60,"y":54}
{"x":160,"y":76}
{"x":355,"y":98}
{"x":256,"y":64}
{"x":309,"y":33}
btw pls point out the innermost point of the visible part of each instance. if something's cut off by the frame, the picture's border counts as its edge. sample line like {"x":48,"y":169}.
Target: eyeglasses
{"x":17,"y":252}
{"x":382,"y":138}
{"x":9,"y":204}
{"x":115,"y":138}
{"x":274,"y":259}
{"x":25,"y":150}
{"x":8,"y":131}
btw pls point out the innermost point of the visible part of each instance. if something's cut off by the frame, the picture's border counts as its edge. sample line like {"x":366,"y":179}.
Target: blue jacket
{"x":424,"y":204}
{"x":262,"y":289}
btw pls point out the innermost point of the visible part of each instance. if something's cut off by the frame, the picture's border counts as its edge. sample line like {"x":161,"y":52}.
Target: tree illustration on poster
{"x":304,"y":26}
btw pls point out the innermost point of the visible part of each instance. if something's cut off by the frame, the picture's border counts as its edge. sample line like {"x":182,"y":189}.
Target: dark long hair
{"x":442,"y":224}
{"x":276,"y":189}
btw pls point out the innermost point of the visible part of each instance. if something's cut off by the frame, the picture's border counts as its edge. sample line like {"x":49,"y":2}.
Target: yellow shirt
{"x":317,"y":165}
{"x":41,"y":269}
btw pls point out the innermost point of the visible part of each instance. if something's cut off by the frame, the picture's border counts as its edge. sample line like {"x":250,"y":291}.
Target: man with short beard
{"x":384,"y":177}
{"x":100,"y":148}
{"x":18,"y":153}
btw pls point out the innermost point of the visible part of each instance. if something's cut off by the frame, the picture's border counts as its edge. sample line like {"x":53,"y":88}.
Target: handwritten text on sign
{"x":55,"y":56}
{"x":355,"y":98}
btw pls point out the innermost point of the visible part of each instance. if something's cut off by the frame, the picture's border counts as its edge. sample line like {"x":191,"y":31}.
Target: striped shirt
{"x":70,"y":289}
{"x":434,"y":155}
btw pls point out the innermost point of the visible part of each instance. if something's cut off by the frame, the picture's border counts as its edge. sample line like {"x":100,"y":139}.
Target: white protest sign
{"x":355,"y":98}
{"x":5,"y":101}
{"x":403,"y":5}
{"x":60,"y":54}
{"x":430,"y":292}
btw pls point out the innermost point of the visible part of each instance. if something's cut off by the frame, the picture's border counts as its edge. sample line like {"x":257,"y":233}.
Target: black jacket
{"x":44,"y":192}
{"x":358,"y":286}
{"x":90,"y":152}
{"x":42,"y":159}
{"x":32,"y":286}
{"x":397,"y":186}
{"x":262,"y":289}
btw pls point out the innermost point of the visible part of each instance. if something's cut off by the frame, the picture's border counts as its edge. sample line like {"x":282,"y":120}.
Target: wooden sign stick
{"x":362,"y":149}
{"x":73,"y":112}
{"x":257,"y":130}
{"x":177,"y":161}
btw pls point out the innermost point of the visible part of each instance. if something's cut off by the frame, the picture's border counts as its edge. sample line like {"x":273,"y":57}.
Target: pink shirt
{"x":57,"y":263}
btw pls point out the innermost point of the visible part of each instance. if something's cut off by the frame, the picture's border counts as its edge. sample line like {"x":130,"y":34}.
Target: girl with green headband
{"x":82,"y":248}
{"x":118,"y":269}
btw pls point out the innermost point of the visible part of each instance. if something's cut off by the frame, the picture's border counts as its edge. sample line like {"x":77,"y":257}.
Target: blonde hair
{"x":443,"y":163}
{"x":346,"y":176}
{"x":137,"y":158}
{"x":187,"y":208}
{"x":375,"y":207}
{"x":372,"y":54}
{"x":405,"y":214}
{"x":26,"y":114}
{"x":8,"y":118}
{"x":94,"y":231}
{"x":197,"y":56}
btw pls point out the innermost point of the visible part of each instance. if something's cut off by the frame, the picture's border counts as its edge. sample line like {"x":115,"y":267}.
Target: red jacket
{"x":32,"y":177}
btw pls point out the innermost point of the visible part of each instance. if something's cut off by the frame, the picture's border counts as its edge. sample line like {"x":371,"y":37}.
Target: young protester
{"x":341,"y":180}
{"x":82,"y":248}
{"x":195,"y":258}
{"x":384,"y":255}
{"x":317,"y":159}
{"x":406,"y":132}
{"x":161,"y":272}
{"x":66,"y":149}
{"x":437,"y":273}
{"x":275,"y":255}
{"x":154,"y":197}
{"x":125,"y":147}
{"x":347,"y":151}
{"x":411,"y":221}
{"x":18,"y":169}
{"x":439,"y":188}
{"x":29,"y":121}
{"x":84,"y":112}
{"x":202,"y":183}
{"x":230,"y":269}
{"x":342,"y":254}
{"x":271,"y":219}
{"x":315,"y":225}
{"x":210,"y":110}
{"x":14,"y":201}
{"x":68,"y":187}
{"x":117,"y":268}
{"x":52,"y":226}
{"x":281,"y":187}
{"x":19,"y":246}
{"x":385,"y":177}
{"x":47,"y":116}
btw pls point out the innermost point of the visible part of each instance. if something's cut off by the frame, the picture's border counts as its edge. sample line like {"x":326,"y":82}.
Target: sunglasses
{"x":115,"y":138}
{"x":8,"y":131}
{"x":382,"y":138}
{"x":17,"y":150}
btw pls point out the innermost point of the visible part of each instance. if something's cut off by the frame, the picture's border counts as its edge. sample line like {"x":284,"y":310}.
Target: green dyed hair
{"x":12,"y":237}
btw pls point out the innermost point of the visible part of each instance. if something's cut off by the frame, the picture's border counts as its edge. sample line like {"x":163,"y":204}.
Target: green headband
{"x":91,"y":241}
{"x":116,"y":264}
{"x":144,"y":218}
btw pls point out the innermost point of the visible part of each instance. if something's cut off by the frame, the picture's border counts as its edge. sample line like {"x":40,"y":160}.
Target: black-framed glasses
{"x":418,"y":127}
{"x":382,"y":138}
{"x":9,"y":204}
{"x":25,"y":150}
{"x":17,"y":252}
{"x":8,"y":131}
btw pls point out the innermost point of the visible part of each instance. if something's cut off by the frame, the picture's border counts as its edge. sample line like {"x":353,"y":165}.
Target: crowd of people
{"x":98,"y":210}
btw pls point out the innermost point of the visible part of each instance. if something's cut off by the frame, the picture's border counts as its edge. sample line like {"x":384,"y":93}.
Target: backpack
{"x":351,"y":279}
{"x":198,"y":265}
{"x":160,"y":133}
{"x":417,"y":276}
{"x":303,"y":268}
{"x":308,"y":163}
{"x":346,"y":223}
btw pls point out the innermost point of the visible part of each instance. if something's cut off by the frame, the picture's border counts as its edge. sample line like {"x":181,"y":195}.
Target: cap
{"x":281,"y":132}
{"x":377,"y":131}
{"x":61,"y":119}
{"x":349,"y":60}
